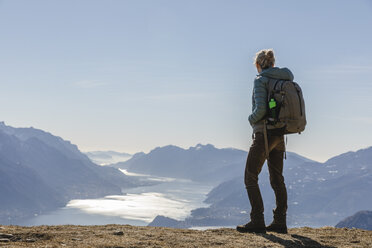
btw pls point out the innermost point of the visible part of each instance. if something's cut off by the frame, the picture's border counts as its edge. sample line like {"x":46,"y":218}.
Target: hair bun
{"x":265,"y":58}
{"x":270,"y":53}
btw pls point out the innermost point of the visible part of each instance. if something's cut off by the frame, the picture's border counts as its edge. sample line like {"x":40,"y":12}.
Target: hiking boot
{"x":256,"y":226}
{"x":279,"y":224}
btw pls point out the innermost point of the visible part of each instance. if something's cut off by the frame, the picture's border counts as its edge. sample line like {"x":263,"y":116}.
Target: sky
{"x":132,"y":75}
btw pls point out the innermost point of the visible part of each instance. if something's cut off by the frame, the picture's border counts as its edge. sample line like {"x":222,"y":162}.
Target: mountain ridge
{"x":361,"y":220}
{"x":41,"y":172}
{"x":199,"y":163}
{"x":318,"y":193}
{"x":49,"y":159}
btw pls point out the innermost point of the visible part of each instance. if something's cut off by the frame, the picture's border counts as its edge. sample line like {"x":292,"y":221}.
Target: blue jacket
{"x":259,"y":96}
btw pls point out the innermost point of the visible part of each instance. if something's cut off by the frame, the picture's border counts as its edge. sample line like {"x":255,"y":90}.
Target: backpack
{"x":286,"y":107}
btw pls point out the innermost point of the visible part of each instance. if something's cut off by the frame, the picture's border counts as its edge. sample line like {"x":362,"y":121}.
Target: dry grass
{"x":133,"y":236}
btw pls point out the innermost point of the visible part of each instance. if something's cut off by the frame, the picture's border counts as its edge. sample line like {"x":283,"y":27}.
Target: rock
{"x":4,"y":240}
{"x":119,"y":233}
{"x":6,"y":235}
{"x":76,"y":239}
{"x":30,"y":240}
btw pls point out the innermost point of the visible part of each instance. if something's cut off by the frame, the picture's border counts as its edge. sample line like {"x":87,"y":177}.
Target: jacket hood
{"x":278,"y":73}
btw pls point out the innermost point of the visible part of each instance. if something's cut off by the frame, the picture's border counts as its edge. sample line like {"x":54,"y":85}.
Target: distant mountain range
{"x":361,"y":220}
{"x":199,"y":163}
{"x":318,"y":193}
{"x":41,"y":172}
{"x":107,"y":157}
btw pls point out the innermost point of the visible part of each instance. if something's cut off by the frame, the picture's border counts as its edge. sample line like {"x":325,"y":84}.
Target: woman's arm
{"x":260,"y":98}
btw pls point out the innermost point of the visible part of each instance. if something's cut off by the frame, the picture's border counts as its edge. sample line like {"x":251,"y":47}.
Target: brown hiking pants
{"x":255,"y":160}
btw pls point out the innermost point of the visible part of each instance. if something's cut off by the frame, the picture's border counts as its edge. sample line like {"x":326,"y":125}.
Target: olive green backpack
{"x":285,"y":108}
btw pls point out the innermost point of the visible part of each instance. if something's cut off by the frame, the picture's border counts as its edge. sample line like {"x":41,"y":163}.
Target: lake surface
{"x":172,"y":197}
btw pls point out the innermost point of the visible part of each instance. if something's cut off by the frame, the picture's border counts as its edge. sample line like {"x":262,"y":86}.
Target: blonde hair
{"x":265,"y":58}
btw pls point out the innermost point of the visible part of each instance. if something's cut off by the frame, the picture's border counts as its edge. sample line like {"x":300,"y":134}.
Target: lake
{"x":171,"y":197}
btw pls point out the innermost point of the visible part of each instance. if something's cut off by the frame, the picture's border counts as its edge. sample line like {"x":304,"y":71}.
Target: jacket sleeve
{"x":259,"y":98}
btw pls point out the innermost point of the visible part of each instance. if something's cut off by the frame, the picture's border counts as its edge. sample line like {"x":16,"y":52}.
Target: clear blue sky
{"x":131,"y":75}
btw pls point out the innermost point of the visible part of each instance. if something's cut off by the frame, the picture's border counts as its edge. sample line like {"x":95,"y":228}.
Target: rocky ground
{"x":133,"y":236}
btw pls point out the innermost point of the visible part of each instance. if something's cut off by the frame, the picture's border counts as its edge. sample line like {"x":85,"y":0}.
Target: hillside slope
{"x":199,"y":163}
{"x":40,"y":172}
{"x":202,"y":163}
{"x":132,"y":236}
{"x":361,"y":219}
{"x":319,"y":194}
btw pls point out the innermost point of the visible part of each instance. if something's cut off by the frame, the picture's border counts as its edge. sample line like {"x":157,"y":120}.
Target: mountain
{"x":162,"y":221}
{"x":199,"y":163}
{"x":318,"y":193}
{"x":40,"y":172}
{"x":362,"y":220}
{"x":23,"y":192}
{"x":107,"y":157}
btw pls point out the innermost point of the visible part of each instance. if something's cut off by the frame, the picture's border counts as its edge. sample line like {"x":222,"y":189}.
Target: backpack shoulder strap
{"x":271,"y":86}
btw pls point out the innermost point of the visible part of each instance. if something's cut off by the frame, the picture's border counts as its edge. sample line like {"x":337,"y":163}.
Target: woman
{"x":264,"y":62}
